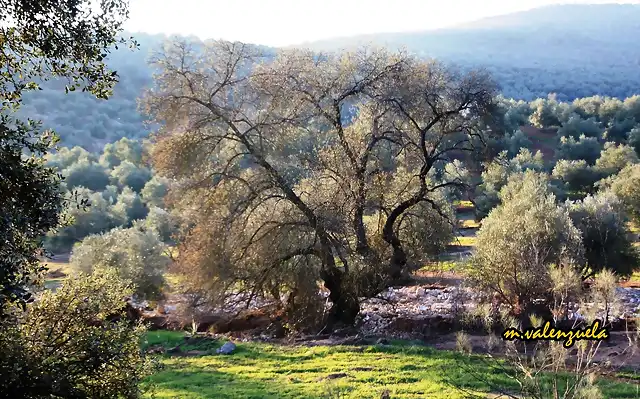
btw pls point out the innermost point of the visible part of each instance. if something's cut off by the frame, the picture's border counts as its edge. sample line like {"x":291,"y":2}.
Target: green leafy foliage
{"x":577,"y":177}
{"x":40,"y":41}
{"x":615,"y":157}
{"x":137,"y":255}
{"x":606,"y":238}
{"x":30,"y":205}
{"x":626,"y":185}
{"x":74,"y":343}
{"x":520,"y":239}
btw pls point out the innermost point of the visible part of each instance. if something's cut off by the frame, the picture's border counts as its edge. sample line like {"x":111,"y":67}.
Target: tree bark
{"x":345,"y":305}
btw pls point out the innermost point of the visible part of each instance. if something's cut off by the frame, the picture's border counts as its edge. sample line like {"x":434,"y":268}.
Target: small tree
{"x":137,"y":255}
{"x":605,"y":235}
{"x":520,"y":239}
{"x":576,"y":176}
{"x":626,"y":185}
{"x":614,"y":157}
{"x":74,"y":343}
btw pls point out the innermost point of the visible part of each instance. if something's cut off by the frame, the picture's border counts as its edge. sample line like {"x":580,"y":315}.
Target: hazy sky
{"x":286,"y":22}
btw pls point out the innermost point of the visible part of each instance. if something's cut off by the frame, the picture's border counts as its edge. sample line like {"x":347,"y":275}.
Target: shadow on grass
{"x":256,"y":370}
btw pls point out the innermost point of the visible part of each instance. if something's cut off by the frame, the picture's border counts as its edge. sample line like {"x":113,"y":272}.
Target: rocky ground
{"x":428,"y":301}
{"x":431,"y":305}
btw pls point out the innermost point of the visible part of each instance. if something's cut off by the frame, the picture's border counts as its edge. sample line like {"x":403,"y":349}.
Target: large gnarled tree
{"x":305,"y":167}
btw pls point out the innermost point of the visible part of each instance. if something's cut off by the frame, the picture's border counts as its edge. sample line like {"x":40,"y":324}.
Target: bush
{"x":520,"y":240}
{"x":130,"y":175}
{"x":605,"y":235}
{"x":576,"y":176}
{"x":137,"y":256}
{"x":70,"y":344}
{"x":626,"y":185}
{"x":614,"y":158}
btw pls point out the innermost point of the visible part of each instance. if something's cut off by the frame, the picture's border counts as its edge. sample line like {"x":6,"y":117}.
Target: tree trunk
{"x":345,"y":305}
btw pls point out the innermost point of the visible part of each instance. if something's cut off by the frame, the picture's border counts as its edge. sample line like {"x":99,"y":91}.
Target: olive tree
{"x":86,"y":174}
{"x":576,"y":176}
{"x":137,"y":256}
{"x":626,"y":185}
{"x":633,"y":139}
{"x":127,"y":174}
{"x":520,"y":240}
{"x":584,"y":148}
{"x":281,"y":220}
{"x":614,"y":157}
{"x":605,"y":236}
{"x":155,"y":190}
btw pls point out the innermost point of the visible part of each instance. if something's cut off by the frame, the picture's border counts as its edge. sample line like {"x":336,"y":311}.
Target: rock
{"x":227,"y":348}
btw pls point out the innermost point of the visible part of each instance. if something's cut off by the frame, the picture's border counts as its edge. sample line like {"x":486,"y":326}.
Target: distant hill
{"x":572,"y":50}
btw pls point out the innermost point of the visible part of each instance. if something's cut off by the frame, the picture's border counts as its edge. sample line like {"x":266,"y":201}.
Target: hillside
{"x":574,"y":50}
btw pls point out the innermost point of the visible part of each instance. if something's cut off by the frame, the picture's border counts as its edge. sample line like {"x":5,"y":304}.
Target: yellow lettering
{"x":545,"y":331}
{"x":595,"y":331}
{"x":511,"y":334}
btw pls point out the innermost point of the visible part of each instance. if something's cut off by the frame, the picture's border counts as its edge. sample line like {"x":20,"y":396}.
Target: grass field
{"x":268,"y":371}
{"x":53,"y":266}
{"x":464,"y":241}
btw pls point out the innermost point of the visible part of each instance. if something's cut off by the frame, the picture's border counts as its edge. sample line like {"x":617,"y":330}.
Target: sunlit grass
{"x":469,"y":224}
{"x":464,"y":241}
{"x":463,"y":205}
{"x":53,"y":282}
{"x":443,"y":266}
{"x":257,"y":370}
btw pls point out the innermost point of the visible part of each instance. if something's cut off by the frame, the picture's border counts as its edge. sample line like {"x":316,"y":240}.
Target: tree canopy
{"x":342,"y":149}
{"x":40,"y":41}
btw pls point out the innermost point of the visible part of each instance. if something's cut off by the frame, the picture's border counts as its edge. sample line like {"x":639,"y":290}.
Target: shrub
{"x":74,"y":343}
{"x":626,"y":186}
{"x":137,"y":256}
{"x":520,"y":240}
{"x":605,"y":235}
